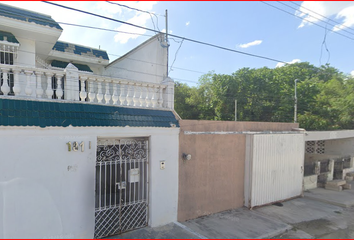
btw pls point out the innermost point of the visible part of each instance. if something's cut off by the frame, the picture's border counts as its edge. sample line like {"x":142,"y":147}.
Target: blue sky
{"x":252,"y":27}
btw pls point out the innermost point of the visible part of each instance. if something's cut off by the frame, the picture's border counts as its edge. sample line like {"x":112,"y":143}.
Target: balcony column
{"x":130,"y":93}
{"x":147,"y":98}
{"x":59,"y":92}
{"x":142,"y":97}
{"x":115,"y":96}
{"x":169,"y":93}
{"x":17,"y":84}
{"x":160,"y":100}
{"x":136,"y":96}
{"x":5,"y":88}
{"x":153,"y":97}
{"x":83,"y":93}
{"x":91,"y":88}
{"x":71,"y":83}
{"x":122,"y":96}
{"x":39,"y":89}
{"x":99,"y":92}
{"x":49,"y":91}
{"x":28,"y":89}
{"x":107,"y":95}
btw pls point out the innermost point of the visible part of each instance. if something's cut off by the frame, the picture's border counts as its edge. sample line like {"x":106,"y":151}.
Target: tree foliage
{"x":325,"y":96}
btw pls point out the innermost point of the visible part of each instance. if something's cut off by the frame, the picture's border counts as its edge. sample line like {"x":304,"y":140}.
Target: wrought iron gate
{"x":121,"y":185}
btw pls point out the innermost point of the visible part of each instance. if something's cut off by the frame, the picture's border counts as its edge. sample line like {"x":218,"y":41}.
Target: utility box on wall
{"x":273,"y":167}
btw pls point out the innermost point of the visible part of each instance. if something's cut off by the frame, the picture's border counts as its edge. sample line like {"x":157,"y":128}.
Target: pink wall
{"x":213,"y":180}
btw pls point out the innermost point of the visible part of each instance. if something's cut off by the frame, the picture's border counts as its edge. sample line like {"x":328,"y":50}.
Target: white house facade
{"x":89,"y":148}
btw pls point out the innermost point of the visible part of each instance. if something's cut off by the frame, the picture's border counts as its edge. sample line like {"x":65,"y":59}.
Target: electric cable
{"x":173,"y":35}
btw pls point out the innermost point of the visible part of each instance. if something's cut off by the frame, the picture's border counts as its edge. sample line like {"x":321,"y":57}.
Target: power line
{"x":314,"y":17}
{"x":319,"y":15}
{"x":149,"y":29}
{"x":104,"y":29}
{"x":110,"y":30}
{"x":121,"y":5}
{"x":150,"y":13}
{"x":176,"y":55}
{"x":76,"y":25}
{"x":304,"y":19}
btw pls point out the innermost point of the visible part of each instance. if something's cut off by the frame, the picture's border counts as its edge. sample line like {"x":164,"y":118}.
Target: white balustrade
{"x":39,"y":89}
{"x":154,"y":97}
{"x":109,"y":91}
{"x":160,"y":100}
{"x":5,"y":88}
{"x":136,"y":96}
{"x":17,"y":85}
{"x":115,"y":96}
{"x":28,"y":89}
{"x":49,"y":91}
{"x":130,"y":94}
{"x":92,"y":93}
{"x":142,"y":96}
{"x":59,"y":91}
{"x":122,"y":96}
{"x":99,"y":95}
{"x":107,"y":95}
{"x":83,"y":93}
{"x":148,"y":98}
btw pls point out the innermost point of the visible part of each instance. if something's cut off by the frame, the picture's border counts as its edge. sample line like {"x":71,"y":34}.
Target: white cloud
{"x":187,"y":23}
{"x":84,"y":36}
{"x":254,"y":43}
{"x":348,"y":15}
{"x":291,"y":62}
{"x":138,"y":19}
{"x":352,"y":73}
{"x":327,"y":9}
{"x":164,"y":30}
{"x":111,"y":8}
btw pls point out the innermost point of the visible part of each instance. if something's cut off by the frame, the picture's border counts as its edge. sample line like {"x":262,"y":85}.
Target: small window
{"x":6,"y":58}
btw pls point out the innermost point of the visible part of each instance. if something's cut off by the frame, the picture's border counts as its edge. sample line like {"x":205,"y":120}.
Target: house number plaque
{"x":75,"y":146}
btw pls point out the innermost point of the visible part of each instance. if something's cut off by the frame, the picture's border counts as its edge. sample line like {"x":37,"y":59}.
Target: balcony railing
{"x":73,"y":85}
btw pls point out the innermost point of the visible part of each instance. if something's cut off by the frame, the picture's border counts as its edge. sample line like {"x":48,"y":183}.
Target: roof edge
{"x":135,"y":49}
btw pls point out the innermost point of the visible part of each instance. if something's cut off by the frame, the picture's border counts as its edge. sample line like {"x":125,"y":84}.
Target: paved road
{"x":295,"y":219}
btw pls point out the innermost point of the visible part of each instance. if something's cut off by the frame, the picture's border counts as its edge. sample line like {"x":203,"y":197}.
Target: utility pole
{"x":295,"y":104}
{"x":235,"y":110}
{"x":166,"y":41}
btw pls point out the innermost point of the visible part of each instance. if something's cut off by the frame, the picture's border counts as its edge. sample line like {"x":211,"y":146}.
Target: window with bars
{"x":7,"y":55}
{"x":6,"y":58}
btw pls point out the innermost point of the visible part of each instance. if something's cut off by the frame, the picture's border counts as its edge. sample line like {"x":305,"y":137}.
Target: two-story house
{"x":89,"y":147}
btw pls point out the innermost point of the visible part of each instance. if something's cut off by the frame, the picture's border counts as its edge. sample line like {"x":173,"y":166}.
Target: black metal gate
{"x":121,"y":186}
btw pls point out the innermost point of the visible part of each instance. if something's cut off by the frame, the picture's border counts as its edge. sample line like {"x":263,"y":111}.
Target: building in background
{"x":89,"y":148}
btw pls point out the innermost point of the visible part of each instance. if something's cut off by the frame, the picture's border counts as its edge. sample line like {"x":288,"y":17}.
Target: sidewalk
{"x":295,"y":219}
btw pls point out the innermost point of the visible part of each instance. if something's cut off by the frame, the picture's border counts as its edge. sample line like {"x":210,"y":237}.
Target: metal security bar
{"x":121,"y":186}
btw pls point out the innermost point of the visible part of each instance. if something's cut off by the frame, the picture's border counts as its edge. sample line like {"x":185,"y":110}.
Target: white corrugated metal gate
{"x":273,"y":167}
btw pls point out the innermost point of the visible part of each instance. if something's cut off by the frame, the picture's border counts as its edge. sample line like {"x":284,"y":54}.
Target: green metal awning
{"x":7,"y":36}
{"x":60,"y":64}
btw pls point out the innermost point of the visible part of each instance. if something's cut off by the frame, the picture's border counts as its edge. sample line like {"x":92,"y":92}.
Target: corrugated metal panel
{"x":62,"y":114}
{"x":274,"y":168}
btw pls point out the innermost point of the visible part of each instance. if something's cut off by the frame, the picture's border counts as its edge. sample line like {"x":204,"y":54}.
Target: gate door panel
{"x":121,"y":185}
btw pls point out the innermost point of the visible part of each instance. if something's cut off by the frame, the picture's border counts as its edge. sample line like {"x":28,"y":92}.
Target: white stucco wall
{"x":146,"y":63}
{"x":48,"y":192}
{"x":340,"y":147}
{"x":26,"y":53}
{"x":328,"y":135}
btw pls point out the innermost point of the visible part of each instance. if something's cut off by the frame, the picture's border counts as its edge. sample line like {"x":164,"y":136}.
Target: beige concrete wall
{"x":213,"y":180}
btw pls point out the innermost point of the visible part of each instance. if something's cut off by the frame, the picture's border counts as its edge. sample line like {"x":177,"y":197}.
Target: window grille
{"x":315,"y":147}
